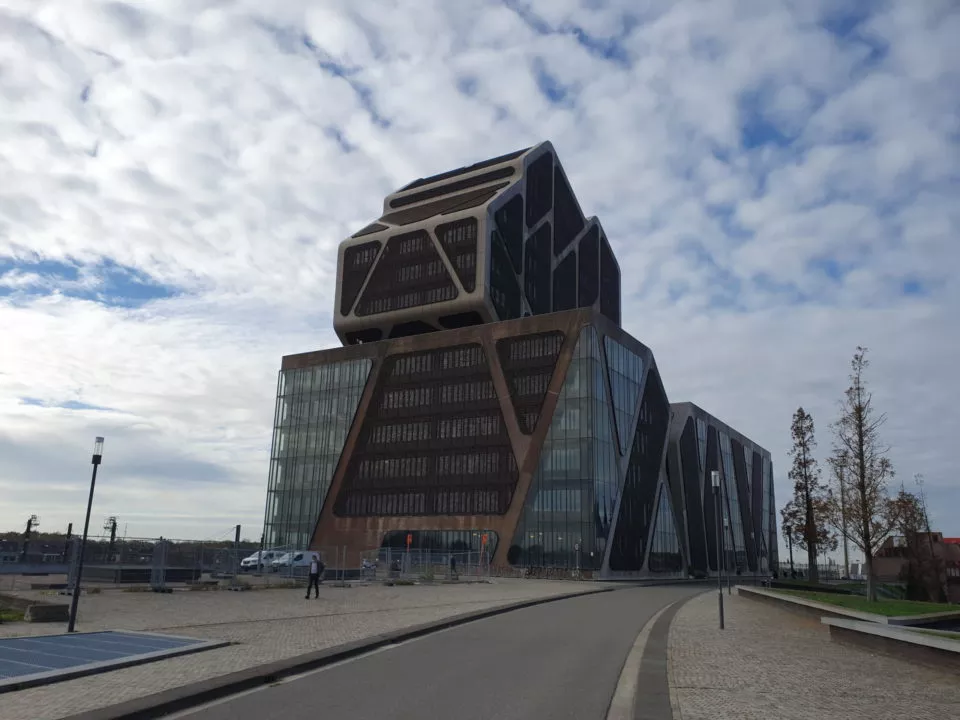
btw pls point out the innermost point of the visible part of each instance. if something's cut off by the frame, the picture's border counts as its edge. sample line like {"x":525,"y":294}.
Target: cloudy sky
{"x":779,"y":180}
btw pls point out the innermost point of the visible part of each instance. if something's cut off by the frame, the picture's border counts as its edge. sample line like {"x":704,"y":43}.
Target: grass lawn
{"x":889,"y":608}
{"x":8,"y":615}
{"x":951,"y":635}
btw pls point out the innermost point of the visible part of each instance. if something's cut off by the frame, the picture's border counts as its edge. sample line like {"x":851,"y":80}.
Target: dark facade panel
{"x":505,"y":292}
{"x":565,"y":283}
{"x":539,"y":198}
{"x":357,"y":261}
{"x":609,"y":282}
{"x":509,"y":222}
{"x":692,"y":488}
{"x":756,"y":487}
{"x":643,"y":475}
{"x":709,"y":497}
{"x":460,"y":320}
{"x":463,"y":170}
{"x":459,"y":241}
{"x":413,"y":327}
{"x":443,"y":206}
{"x":528,"y":364}
{"x":568,"y":222}
{"x":740,"y":471}
{"x":537,"y":277}
{"x":588,"y":271}
{"x":409,"y":273}
{"x":369,"y":229}
{"x":433,"y":441}
{"x":453,"y":187}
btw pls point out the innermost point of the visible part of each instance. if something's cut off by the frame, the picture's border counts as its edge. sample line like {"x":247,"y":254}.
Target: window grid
{"x":626,"y":376}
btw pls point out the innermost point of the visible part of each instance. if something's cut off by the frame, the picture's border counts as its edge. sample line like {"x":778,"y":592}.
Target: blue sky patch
{"x":106,"y":282}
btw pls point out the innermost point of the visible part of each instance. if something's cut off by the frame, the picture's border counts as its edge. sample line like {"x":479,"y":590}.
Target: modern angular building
{"x":486,"y":390}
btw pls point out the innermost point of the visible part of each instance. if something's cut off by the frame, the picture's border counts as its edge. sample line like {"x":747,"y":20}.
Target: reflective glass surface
{"x":702,"y":442}
{"x":665,"y":553}
{"x":450,"y":541}
{"x":314,"y":412}
{"x":573,"y":494}
{"x":738,"y":554}
{"x":626,"y":374}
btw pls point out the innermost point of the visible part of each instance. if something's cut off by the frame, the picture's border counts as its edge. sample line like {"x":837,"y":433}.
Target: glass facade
{"x":665,"y":555}
{"x":573,"y":494}
{"x":449,"y":541}
{"x":626,"y":374}
{"x":702,"y":442}
{"x":314,"y":412}
{"x":738,"y":558}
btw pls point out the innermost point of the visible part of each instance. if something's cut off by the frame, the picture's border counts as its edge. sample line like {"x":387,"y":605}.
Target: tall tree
{"x":810,"y":495}
{"x":868,"y":510}
{"x":838,"y":466}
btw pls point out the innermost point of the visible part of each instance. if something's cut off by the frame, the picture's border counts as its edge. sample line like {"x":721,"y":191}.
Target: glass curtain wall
{"x":665,"y":555}
{"x":314,"y":412}
{"x":626,"y":374}
{"x":737,"y":556}
{"x":702,"y":443}
{"x":770,"y":529}
{"x":573,"y":494}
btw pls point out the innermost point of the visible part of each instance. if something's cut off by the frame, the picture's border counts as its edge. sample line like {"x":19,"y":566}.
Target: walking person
{"x":316,"y":567}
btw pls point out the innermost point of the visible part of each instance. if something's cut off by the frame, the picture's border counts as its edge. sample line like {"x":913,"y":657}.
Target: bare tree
{"x":809,"y":493}
{"x":838,"y":466}
{"x":868,"y":514}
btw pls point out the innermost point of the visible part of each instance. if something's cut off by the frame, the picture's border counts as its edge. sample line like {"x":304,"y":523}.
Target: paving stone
{"x":770,"y":663}
{"x":268,"y":625}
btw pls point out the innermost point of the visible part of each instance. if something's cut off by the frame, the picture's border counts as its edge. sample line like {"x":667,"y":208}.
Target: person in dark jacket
{"x":316,"y":568}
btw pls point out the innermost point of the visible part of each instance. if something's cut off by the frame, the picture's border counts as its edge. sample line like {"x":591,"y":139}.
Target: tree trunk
{"x":871,"y":582}
{"x":813,"y":571}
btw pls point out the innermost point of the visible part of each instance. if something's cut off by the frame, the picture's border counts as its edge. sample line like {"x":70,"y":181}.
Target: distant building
{"x":487,"y":398}
{"x":893,"y":557}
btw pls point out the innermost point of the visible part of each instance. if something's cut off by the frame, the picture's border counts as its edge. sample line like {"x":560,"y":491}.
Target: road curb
{"x":185,"y":697}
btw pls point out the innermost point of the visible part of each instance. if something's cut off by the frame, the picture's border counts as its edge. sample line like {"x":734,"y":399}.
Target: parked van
{"x":259,"y":560}
{"x":296,"y":559}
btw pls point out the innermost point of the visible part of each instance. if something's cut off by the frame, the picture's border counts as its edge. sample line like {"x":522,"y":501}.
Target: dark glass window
{"x":626,"y":377}
{"x":609,"y":282}
{"x":463,"y":170}
{"x":433,"y":441}
{"x":528,"y":364}
{"x":357,"y":261}
{"x":665,"y":555}
{"x":443,"y":206}
{"x":536,"y":277}
{"x":459,"y":241}
{"x":693,"y":477}
{"x":505,"y":291}
{"x":589,"y":268}
{"x":643,"y":475}
{"x":410,"y":273}
{"x":509,"y":221}
{"x":434,"y":547}
{"x":539,"y":188}
{"x":567,"y":219}
{"x":565,"y":283}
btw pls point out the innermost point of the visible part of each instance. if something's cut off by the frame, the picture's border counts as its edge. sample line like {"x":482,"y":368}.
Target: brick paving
{"x":268,"y":625}
{"x":771,"y":663}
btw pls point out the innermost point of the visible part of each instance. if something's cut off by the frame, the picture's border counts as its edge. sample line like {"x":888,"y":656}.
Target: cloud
{"x":778,"y":179}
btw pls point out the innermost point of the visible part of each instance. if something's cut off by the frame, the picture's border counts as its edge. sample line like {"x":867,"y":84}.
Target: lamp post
{"x":97,"y":455}
{"x":715,"y":481}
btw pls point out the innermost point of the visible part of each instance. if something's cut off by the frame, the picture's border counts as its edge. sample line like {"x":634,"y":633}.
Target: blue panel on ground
{"x":52,"y":655}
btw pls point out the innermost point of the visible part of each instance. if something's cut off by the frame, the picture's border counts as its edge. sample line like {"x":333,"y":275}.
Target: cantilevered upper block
{"x":501,"y":239}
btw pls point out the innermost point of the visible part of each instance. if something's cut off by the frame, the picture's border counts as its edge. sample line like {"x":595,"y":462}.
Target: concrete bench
{"x":47,"y":613}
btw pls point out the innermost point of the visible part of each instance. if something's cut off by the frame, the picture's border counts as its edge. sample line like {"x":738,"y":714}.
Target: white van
{"x":296,"y":559}
{"x":259,"y":560}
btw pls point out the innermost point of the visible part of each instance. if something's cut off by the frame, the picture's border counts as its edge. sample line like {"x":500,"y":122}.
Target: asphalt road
{"x":558,"y":660}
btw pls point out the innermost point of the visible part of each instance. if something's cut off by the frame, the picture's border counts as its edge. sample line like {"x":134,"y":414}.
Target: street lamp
{"x":97,"y":455}
{"x":715,"y":481}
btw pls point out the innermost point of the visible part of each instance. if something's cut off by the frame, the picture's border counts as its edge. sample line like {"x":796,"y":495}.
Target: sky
{"x":778,"y":179}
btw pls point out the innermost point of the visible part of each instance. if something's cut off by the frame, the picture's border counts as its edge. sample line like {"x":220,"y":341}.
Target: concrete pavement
{"x":560,"y":660}
{"x":266,"y":626}
{"x":773,"y":663}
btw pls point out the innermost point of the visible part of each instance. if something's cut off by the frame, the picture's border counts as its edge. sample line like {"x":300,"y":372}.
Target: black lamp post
{"x":97,"y":455}
{"x":715,"y":481}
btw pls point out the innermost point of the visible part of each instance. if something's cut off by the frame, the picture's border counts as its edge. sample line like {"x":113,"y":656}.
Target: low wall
{"x":916,"y":647}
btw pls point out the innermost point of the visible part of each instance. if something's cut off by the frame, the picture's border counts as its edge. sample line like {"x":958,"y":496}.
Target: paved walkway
{"x":770,"y":663}
{"x":269,"y":625}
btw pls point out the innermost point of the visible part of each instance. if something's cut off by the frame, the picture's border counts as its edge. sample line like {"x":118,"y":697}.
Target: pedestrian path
{"x":771,"y":663}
